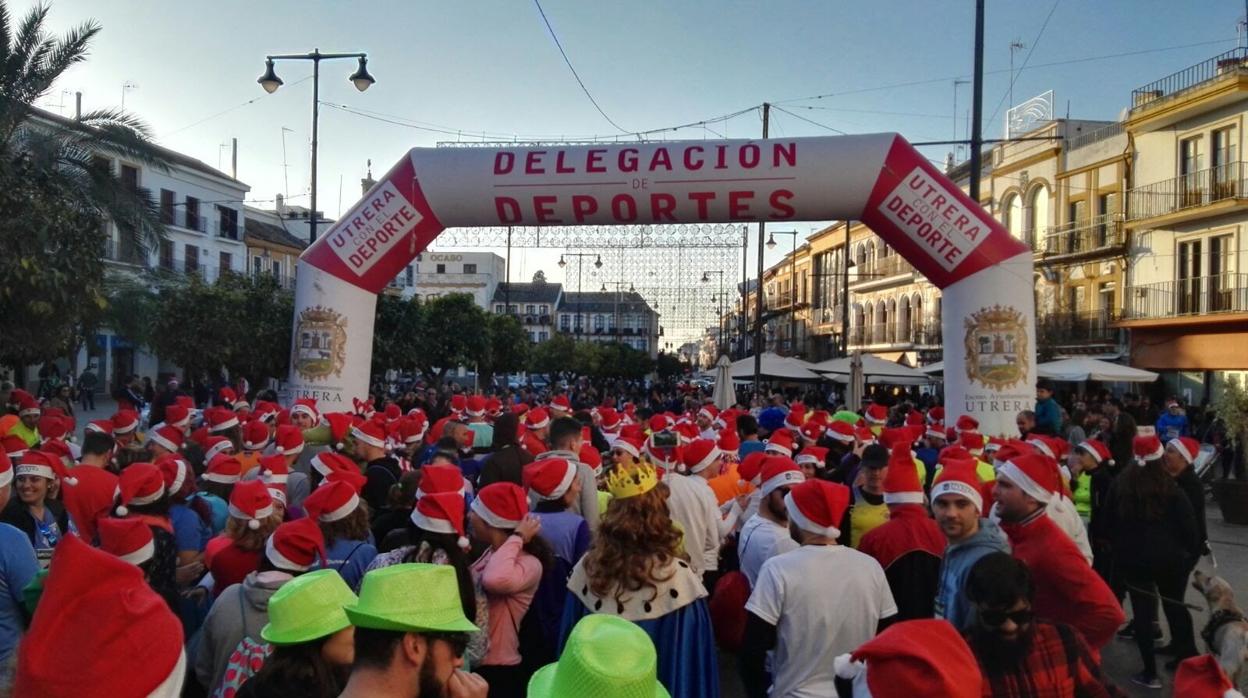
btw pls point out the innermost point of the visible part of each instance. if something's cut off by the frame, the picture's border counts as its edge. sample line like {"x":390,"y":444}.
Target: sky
{"x":490,"y":66}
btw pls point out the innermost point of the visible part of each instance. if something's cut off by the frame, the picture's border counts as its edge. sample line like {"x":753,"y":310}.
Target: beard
{"x":430,"y":685}
{"x":775,"y":505}
{"x":999,"y":656}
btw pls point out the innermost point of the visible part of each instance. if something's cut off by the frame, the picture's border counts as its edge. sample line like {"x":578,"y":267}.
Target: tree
{"x":452,"y":334}
{"x":669,"y":365}
{"x":397,"y":333}
{"x":554,"y":356}
{"x":506,"y":349}
{"x":56,"y":188}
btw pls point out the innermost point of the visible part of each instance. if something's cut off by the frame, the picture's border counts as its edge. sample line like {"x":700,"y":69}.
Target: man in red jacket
{"x":909,"y":546}
{"x":1067,"y":590}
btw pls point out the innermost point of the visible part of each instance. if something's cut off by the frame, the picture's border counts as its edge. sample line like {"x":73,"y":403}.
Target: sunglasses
{"x":458,"y":642}
{"x":995,"y":619}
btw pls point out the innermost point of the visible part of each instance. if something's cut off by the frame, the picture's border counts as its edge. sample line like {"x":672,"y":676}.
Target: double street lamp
{"x":771,"y":245}
{"x":270,"y":82}
{"x":580,"y":259}
{"x":706,"y":278}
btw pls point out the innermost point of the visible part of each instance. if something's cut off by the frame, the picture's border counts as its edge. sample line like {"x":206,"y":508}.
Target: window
{"x":1012,"y":215}
{"x":498,"y":308}
{"x":192,"y":259}
{"x":225,"y":261}
{"x":228,"y":222}
{"x":166,"y":207}
{"x":528,"y":309}
{"x":1039,"y":222}
{"x":470,"y":269}
{"x":544,"y":309}
{"x":1225,"y":154}
{"x":1190,"y":160}
{"x":600,"y":323}
{"x":192,"y":214}
{"x":441,"y":269}
{"x":166,"y":254}
{"x":410,"y":275}
{"x":257,"y":266}
{"x":130,"y":177}
{"x":543,"y":336}
{"x":565,"y":322}
{"x":1106,"y":207}
{"x":277,"y":269}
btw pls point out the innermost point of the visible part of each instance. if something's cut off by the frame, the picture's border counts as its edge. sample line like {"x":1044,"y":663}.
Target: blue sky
{"x":491,"y":66}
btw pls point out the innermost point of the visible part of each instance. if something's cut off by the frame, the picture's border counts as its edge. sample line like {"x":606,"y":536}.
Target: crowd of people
{"x":597,"y":540}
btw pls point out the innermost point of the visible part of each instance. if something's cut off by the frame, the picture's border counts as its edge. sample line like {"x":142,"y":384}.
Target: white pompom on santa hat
{"x":913,"y":658}
{"x":1147,"y":449}
{"x":139,"y":484}
{"x":442,"y":512}
{"x":817,"y":506}
{"x":251,"y":502}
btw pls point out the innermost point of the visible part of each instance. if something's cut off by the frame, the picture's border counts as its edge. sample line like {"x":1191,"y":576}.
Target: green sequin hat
{"x":605,"y":656}
{"x":413,"y":597}
{"x":308,"y":607}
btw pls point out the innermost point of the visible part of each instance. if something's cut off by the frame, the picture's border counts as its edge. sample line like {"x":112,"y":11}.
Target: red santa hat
{"x":972,"y":441}
{"x":876,"y":414}
{"x":124,"y":421}
{"x":936,"y":414}
{"x":129,"y":539}
{"x":89,"y":496}
{"x":215,"y":446}
{"x":936,"y":430}
{"x":901,"y":483}
{"x":167,"y":437}
{"x":139,"y":484}
{"x":440,"y":478}
{"x":814,"y":455}
{"x":223,"y":469}
{"x":6,"y":469}
{"x":220,"y":419}
{"x":441,"y":512}
{"x":98,"y":610}
{"x":1203,"y":677}
{"x":1187,"y":447}
{"x":60,"y":449}
{"x":915,"y":418}
{"x":959,"y":479}
{"x":611,"y":420}
{"x":273,"y":469}
{"x":339,"y":425}
{"x":102,"y":426}
{"x":38,"y":464}
{"x":796,"y":417}
{"x":27,"y":405}
{"x":561,"y":403}
{"x":493,"y":407}
{"x":53,"y":427}
{"x":412,"y":428}
{"x":841,"y":431}
{"x":265,"y":411}
{"x":475,"y":406}
{"x":326,"y":463}
{"x":306,"y":406}
{"x":591,"y":457}
{"x":890,"y":437}
{"x":817,"y":506}
{"x":709,"y":411}
{"x":250,"y":501}
{"x":1146,"y":449}
{"x":778,"y":471}
{"x":913,"y":658}
{"x":289,"y":439}
{"x":1035,"y":474}
{"x":688,"y":431}
{"x":729,"y":442}
{"x":174,"y":470}
{"x":780,"y":443}
{"x":352,"y":477}
{"x":631,"y":445}
{"x":750,"y":468}
{"x":14,"y":446}
{"x":700,"y":454}
{"x":177,"y":416}
{"x":537,"y":418}
{"x":255,"y":435}
{"x":812,"y":430}
{"x":501,"y":505}
{"x":864,"y":435}
{"x":296,"y":546}
{"x":1097,"y":450}
{"x":966,"y":423}
{"x":227,"y":396}
{"x":370,"y":433}
{"x":549,"y":478}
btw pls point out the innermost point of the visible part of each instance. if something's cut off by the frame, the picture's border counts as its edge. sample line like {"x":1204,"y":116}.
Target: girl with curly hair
{"x":636,"y":568}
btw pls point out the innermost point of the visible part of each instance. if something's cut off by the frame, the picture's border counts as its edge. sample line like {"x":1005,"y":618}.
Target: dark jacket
{"x":1120,"y":440}
{"x":1189,"y":482}
{"x":17,"y":515}
{"x":1149,"y":544}
{"x":505,"y":465}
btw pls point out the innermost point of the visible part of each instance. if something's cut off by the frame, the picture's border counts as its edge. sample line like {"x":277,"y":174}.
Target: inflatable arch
{"x":880,"y":179}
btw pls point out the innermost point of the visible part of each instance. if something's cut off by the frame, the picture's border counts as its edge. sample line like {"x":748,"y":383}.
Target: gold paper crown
{"x":632,"y":481}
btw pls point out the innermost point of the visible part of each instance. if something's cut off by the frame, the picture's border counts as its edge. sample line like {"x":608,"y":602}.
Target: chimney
{"x":368,"y":182}
{"x":234,"y":158}
{"x":78,"y":106}
{"x":280,"y":204}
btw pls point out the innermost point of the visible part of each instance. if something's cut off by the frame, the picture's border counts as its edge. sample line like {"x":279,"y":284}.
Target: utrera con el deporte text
{"x":685,"y":175}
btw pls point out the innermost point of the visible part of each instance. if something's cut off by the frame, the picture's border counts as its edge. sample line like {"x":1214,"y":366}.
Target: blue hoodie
{"x":951,"y":601}
{"x":1171,"y":426}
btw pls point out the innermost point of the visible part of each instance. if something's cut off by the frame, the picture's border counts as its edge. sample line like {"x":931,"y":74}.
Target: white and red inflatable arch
{"x":880,"y":179}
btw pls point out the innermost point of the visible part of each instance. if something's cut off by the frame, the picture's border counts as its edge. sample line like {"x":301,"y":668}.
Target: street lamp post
{"x":270,"y":82}
{"x":580,"y":259}
{"x":706,"y":278}
{"x":771,"y":245}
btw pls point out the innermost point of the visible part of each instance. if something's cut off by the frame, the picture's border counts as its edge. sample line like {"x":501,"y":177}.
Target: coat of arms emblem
{"x":997,"y":351}
{"x":320,"y":343}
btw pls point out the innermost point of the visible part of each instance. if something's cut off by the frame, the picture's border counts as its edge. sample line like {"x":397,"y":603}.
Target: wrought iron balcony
{"x":1101,"y":235}
{"x":879,"y":270}
{"x":1077,"y":327}
{"x":894,"y":334}
{"x":1198,"y":295}
{"x":1233,"y":62}
{"x":1190,"y":191}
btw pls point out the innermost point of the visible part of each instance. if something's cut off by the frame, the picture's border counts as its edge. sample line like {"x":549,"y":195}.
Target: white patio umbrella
{"x":1076,"y":370}
{"x":874,"y":370}
{"x":774,"y":367}
{"x":933,"y":369}
{"x":725,"y":395}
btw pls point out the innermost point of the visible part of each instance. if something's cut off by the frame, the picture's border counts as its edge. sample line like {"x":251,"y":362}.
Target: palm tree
{"x":71,"y":155}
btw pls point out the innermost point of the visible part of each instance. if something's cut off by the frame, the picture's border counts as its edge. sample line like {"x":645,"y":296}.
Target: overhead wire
{"x":223,"y":112}
{"x":567,"y":60}
{"x":1026,"y":59}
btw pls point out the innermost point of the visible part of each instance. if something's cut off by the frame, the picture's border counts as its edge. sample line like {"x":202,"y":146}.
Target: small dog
{"x":1227,"y":630}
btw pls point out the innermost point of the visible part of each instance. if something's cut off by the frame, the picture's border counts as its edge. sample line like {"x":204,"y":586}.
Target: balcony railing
{"x":1189,"y":191}
{"x":1198,"y":295}
{"x":1100,"y":234}
{"x":124,"y":254}
{"x":1100,"y":134}
{"x":1233,"y":61}
{"x":882,"y":267}
{"x":1077,"y":327}
{"x":918,"y":333}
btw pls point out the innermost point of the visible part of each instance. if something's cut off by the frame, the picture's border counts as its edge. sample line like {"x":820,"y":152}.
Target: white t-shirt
{"x":692,"y":505}
{"x":825,"y":600}
{"x":760,"y":540}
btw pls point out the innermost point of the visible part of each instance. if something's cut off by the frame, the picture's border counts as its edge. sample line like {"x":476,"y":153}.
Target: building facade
{"x":532,"y":303}
{"x":274,"y":243}
{"x":442,"y":273}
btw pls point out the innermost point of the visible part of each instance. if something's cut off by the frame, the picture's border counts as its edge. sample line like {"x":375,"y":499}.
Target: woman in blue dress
{"x":636,"y":569}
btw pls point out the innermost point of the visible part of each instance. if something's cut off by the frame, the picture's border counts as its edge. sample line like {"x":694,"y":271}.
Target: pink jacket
{"x":510,"y":577}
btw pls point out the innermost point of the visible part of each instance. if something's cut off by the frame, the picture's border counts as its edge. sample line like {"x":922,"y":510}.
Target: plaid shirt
{"x":1059,"y":665}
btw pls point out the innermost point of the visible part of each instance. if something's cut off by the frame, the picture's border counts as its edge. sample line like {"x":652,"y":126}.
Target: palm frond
{"x":120,"y":134}
{"x":70,"y":49}
{"x":6,"y":33}
{"x":30,"y":34}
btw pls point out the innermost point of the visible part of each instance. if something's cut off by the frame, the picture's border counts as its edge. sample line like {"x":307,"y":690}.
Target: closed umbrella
{"x":725,"y":395}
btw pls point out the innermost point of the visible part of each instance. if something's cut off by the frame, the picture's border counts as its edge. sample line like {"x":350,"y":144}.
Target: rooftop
{"x":608,"y":302}
{"x":268,"y":232}
{"x":527,"y":292}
